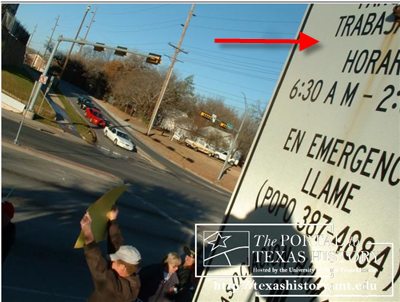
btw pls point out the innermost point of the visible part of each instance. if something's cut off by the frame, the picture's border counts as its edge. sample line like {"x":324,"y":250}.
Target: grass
{"x":18,"y":83}
{"x":74,"y":117}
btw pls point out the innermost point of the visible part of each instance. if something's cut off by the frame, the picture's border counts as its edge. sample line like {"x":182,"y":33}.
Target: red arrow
{"x":304,"y":41}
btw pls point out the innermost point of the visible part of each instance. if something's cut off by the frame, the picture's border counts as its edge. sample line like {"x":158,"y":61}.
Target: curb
{"x":156,"y":163}
{"x":64,"y":162}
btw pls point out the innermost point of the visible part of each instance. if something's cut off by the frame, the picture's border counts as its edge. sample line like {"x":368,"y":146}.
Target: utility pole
{"x":51,"y":38}
{"x":171,"y":67}
{"x":72,"y":46}
{"x":30,"y":37}
{"x":90,"y":24}
{"x":233,"y":142}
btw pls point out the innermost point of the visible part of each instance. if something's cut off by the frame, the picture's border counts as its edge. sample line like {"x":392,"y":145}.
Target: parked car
{"x":119,"y":138}
{"x":200,"y":145}
{"x":95,"y":117}
{"x":90,"y":105}
{"x":86,"y":103}
{"x":222,"y":154}
{"x":82,"y":99}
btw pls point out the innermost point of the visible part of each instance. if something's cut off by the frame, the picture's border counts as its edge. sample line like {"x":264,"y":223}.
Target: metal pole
{"x":87,"y":32}
{"x":171,"y":67}
{"x":26,"y":111}
{"x":45,"y":94}
{"x":233,"y":143}
{"x":35,"y":96}
{"x":72,"y":46}
{"x":51,"y":38}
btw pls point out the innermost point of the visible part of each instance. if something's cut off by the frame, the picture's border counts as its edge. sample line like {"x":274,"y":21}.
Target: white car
{"x":222,"y":154}
{"x":119,"y":138}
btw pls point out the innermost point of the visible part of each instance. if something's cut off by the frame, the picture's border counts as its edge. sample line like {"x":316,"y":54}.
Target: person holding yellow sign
{"x":118,"y":283}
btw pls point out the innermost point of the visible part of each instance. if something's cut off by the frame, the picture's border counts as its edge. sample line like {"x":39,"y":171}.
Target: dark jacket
{"x":154,"y":289}
{"x":109,"y":286}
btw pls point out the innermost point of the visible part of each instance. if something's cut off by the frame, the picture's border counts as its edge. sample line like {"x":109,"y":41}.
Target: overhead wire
{"x":237,"y":62}
{"x":239,"y":56}
{"x":142,"y":30}
{"x":217,"y":80}
{"x":132,"y":12}
{"x":223,"y":99}
{"x":238,"y":96}
{"x":141,"y":25}
{"x":248,"y":20}
{"x":237,"y":67}
{"x":232,"y":71}
{"x":245,"y":31}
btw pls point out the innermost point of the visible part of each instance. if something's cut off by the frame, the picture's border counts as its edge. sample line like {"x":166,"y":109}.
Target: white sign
{"x":213,"y":118}
{"x":320,"y":193}
{"x":43,"y":79}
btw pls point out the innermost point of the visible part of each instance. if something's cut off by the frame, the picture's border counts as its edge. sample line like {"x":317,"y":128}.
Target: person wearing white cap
{"x":118,"y":283}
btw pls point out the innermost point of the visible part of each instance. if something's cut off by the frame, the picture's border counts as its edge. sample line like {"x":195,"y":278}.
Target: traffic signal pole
{"x":171,"y":67}
{"x":233,"y":143}
{"x":59,"y":40}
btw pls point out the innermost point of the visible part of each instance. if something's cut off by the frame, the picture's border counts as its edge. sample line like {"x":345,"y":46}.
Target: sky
{"x":224,"y":71}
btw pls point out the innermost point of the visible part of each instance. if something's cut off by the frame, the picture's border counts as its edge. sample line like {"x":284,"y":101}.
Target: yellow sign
{"x":98,"y":211}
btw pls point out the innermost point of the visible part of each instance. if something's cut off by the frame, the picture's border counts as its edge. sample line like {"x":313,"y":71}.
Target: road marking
{"x":32,"y":291}
{"x":158,"y":210}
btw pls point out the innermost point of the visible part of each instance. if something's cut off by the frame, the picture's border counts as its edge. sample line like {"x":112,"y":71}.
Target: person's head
{"x":126,"y":260}
{"x":190,"y":256}
{"x":7,"y":208}
{"x":172,"y":262}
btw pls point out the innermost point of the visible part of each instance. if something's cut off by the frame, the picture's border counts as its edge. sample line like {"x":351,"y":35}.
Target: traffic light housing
{"x":206,"y":115}
{"x":99,"y":47}
{"x":223,"y":125}
{"x":120,"y":52}
{"x":153,"y":59}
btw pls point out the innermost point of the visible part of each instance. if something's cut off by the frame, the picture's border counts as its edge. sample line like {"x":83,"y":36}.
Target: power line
{"x":133,"y":31}
{"x":217,"y":80}
{"x":252,"y":100}
{"x":232,"y":71}
{"x":223,"y":99}
{"x":237,"y":67}
{"x":248,"y":20}
{"x":133,"y":12}
{"x":142,"y":25}
{"x":245,"y":31}
{"x":239,"y":56}
{"x":219,"y":58}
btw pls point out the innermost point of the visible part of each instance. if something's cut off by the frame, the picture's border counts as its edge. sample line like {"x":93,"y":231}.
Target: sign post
{"x":319,"y":194}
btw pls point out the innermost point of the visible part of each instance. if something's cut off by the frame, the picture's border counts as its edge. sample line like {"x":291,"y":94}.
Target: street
{"x":51,"y":194}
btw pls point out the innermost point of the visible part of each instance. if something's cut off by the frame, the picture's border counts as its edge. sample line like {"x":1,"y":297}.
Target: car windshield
{"x":98,"y":114}
{"x":123,"y":135}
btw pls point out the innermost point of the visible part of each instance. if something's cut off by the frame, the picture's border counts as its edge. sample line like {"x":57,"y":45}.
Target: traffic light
{"x":207,"y":116}
{"x":223,"y":125}
{"x":98,"y":47}
{"x":120,"y":52}
{"x":153,"y":59}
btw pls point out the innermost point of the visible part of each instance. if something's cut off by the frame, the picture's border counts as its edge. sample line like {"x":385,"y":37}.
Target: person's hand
{"x":113,"y":214}
{"x":86,"y":226}
{"x":172,"y":290}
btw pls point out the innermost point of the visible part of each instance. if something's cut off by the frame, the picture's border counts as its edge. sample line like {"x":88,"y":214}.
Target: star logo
{"x":225,"y":248}
{"x":222,"y":243}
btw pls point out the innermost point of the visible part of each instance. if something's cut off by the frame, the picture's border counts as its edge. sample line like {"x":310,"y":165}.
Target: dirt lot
{"x":197,"y":162}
